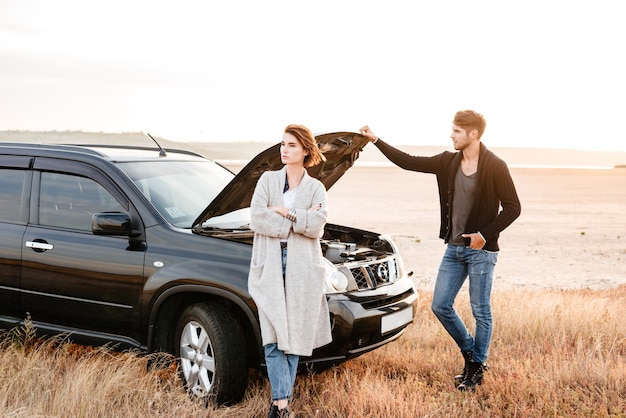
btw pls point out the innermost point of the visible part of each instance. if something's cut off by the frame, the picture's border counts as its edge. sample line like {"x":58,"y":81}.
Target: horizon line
{"x":387,"y":164}
{"x":444,"y":147}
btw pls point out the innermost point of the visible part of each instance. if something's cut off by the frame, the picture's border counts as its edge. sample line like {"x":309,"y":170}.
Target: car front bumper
{"x":364,"y":321}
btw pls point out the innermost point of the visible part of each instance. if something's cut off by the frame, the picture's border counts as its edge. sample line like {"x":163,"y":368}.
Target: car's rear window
{"x":11,"y":186}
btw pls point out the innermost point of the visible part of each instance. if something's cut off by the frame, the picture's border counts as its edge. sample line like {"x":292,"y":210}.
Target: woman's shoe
{"x":278,"y":413}
{"x":273,"y":411}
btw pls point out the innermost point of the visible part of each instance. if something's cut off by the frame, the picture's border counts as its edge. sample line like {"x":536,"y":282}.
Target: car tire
{"x":210,"y":347}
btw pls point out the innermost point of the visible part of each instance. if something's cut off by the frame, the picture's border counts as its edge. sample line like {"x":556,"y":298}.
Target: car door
{"x":72,"y":279}
{"x":15,"y":181}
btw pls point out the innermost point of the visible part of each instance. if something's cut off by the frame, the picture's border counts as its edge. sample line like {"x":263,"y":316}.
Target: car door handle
{"x":37,"y":245}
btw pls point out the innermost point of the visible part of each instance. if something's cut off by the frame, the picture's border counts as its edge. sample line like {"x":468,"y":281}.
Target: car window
{"x":70,"y":201}
{"x":11,"y":186}
{"x":179,"y":190}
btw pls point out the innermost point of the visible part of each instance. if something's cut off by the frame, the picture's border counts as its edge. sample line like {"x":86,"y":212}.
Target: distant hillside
{"x":247,"y":150}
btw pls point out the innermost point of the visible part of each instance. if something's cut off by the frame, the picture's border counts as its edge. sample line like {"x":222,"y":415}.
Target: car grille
{"x":390,"y":300}
{"x":375,"y":274}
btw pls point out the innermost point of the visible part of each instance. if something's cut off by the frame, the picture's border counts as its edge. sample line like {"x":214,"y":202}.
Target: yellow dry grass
{"x":555,"y":353}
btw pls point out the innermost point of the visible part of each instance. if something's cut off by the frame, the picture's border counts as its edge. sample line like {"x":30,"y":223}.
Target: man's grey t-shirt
{"x":463,"y":200}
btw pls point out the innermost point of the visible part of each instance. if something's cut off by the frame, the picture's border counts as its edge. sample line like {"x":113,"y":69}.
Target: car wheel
{"x":210,"y":345}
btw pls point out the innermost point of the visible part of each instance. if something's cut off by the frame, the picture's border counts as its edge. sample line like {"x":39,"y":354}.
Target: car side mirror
{"x":112,"y":223}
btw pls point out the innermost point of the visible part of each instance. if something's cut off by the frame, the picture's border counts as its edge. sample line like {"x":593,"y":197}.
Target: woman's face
{"x":291,"y":151}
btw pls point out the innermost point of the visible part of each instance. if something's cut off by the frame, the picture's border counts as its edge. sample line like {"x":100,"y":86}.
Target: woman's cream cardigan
{"x":294,"y":315}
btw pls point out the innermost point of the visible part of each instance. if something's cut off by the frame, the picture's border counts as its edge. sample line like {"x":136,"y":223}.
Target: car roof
{"x":120,"y":153}
{"x":115,"y":153}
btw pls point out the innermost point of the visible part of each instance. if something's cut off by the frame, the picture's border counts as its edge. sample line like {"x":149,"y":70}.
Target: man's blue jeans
{"x":458,"y":263}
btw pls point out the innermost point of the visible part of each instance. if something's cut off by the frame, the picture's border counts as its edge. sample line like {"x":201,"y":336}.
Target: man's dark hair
{"x":469,"y":120}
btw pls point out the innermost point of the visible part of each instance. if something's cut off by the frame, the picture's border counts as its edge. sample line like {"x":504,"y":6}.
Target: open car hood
{"x":341,"y":150}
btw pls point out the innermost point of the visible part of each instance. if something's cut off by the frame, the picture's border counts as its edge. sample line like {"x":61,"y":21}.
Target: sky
{"x":544,"y":73}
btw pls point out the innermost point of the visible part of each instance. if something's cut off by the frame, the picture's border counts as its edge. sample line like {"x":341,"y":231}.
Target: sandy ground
{"x":571,"y":234}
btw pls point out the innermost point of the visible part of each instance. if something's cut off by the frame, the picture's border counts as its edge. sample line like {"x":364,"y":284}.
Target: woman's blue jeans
{"x":281,"y":368}
{"x":458,"y":263}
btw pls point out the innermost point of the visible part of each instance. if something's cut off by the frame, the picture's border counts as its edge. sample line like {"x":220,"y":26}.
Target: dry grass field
{"x":555,"y":353}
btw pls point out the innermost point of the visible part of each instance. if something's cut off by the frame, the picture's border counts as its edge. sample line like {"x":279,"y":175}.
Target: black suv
{"x":142,"y":247}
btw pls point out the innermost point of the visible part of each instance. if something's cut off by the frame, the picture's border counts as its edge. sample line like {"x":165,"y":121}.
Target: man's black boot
{"x":467,"y":356}
{"x":473,"y":378}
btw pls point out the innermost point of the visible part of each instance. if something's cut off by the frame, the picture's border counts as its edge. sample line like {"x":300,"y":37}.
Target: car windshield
{"x":181,"y":190}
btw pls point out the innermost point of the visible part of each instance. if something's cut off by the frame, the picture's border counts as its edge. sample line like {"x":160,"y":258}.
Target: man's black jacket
{"x":494,"y":189}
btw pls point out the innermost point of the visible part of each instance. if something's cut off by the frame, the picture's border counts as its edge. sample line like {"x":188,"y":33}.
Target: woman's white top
{"x":288,"y":198}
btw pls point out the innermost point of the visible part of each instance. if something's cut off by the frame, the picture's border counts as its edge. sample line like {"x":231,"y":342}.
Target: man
{"x":473,"y":184}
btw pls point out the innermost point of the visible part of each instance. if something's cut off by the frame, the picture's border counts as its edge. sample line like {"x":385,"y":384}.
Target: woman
{"x":286,"y":281}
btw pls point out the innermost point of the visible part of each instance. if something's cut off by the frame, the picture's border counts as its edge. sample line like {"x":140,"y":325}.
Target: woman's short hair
{"x":307,"y":140}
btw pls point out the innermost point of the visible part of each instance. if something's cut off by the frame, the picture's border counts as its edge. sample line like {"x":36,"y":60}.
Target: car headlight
{"x":334,"y":280}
